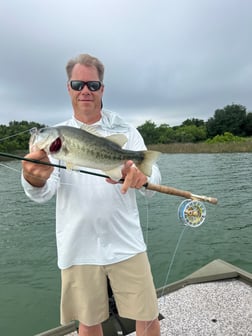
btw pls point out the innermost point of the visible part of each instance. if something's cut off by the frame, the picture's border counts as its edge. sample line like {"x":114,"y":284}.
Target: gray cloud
{"x":165,"y":60}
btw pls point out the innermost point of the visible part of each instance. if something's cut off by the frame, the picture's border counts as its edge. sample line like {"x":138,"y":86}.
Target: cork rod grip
{"x":177,"y":192}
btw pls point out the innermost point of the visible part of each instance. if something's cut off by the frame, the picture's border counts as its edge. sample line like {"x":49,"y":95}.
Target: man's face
{"x":86,"y":103}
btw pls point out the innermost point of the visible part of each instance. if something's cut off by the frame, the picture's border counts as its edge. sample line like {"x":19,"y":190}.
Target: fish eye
{"x":33,"y":130}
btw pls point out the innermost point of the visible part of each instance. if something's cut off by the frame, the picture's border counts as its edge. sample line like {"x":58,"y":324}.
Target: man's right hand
{"x":34,"y":173}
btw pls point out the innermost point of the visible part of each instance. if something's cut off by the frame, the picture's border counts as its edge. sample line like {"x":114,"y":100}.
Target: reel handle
{"x":177,"y":192}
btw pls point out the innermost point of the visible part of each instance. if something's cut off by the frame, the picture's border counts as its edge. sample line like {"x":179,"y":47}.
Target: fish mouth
{"x":38,"y":139}
{"x":33,"y":139}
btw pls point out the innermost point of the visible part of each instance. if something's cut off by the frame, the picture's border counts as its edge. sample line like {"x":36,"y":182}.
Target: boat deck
{"x":216,"y":300}
{"x":215,"y":309}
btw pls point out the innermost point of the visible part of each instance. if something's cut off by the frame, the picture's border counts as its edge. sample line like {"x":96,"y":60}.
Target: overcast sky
{"x":165,"y":60}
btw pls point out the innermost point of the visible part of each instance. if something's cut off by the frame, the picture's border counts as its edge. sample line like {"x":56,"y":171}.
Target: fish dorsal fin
{"x":119,"y":139}
{"x":90,"y":129}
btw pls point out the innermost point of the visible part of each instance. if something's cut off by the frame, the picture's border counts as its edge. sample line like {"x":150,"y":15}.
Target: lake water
{"x":30,"y":280}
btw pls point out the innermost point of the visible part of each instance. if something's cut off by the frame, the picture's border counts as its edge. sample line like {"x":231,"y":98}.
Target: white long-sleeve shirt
{"x":95,"y":223}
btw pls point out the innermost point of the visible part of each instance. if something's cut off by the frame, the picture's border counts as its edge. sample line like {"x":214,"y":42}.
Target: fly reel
{"x":192,"y":213}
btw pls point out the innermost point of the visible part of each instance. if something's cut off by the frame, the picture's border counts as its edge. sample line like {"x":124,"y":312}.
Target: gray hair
{"x":87,"y":60}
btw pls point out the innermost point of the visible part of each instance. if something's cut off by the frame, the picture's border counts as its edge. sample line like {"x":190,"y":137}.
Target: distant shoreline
{"x":192,"y":148}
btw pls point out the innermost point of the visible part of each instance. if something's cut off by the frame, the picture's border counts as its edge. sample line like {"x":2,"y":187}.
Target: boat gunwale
{"x":217,"y":270}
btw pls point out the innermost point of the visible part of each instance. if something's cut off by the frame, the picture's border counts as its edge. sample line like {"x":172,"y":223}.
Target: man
{"x":97,"y":222}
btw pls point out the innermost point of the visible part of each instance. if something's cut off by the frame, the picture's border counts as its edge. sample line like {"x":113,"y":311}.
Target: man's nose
{"x":85,"y":89}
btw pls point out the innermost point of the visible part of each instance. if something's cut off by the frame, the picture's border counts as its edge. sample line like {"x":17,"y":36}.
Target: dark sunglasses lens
{"x":77,"y":85}
{"x":93,"y":85}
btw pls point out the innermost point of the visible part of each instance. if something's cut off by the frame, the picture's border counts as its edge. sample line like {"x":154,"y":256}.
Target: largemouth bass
{"x":85,"y":148}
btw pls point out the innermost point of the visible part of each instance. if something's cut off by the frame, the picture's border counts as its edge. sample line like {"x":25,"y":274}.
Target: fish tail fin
{"x":150,"y":157}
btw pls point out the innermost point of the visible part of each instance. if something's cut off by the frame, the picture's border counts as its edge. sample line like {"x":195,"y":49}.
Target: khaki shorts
{"x":84,"y":295}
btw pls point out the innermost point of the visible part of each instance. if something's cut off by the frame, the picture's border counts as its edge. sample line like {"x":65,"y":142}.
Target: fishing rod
{"x":191,"y":212}
{"x":150,"y":186}
{"x":13,"y":156}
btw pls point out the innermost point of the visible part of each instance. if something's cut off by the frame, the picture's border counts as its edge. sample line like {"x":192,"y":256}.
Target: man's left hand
{"x":132,"y":176}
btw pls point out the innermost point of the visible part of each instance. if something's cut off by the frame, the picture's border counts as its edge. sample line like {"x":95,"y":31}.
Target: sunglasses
{"x":78,"y":85}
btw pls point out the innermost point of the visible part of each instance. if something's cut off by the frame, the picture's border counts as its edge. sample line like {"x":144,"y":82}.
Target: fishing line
{"x":147,"y":220}
{"x":172,"y":262}
{"x":11,"y":168}
{"x":146,"y":207}
{"x":162,"y":303}
{"x":14,"y":135}
{"x":19,"y":171}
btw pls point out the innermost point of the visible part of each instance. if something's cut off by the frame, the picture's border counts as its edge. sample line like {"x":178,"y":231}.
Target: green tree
{"x":248,"y":125}
{"x":226,"y":137}
{"x":190,"y":133}
{"x":149,"y":132}
{"x":16,"y":135}
{"x":232,"y":118}
{"x":165,"y":134}
{"x":193,"y":121}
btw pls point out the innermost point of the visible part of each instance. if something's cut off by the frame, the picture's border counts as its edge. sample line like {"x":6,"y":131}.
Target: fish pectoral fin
{"x":119,"y":139}
{"x":69,"y":165}
{"x":114,"y":174}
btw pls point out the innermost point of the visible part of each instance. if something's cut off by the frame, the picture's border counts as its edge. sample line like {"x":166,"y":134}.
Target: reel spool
{"x":192,"y":213}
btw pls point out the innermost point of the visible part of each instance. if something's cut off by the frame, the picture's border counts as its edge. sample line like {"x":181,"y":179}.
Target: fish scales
{"x":96,"y":148}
